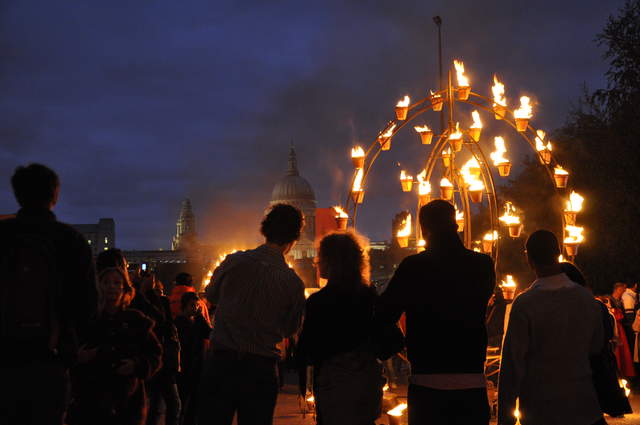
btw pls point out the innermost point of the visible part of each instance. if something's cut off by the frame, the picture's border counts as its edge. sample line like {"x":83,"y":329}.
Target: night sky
{"x":138,"y":104}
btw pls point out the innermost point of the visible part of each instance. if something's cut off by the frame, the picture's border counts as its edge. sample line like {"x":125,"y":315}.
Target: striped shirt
{"x":259,"y":301}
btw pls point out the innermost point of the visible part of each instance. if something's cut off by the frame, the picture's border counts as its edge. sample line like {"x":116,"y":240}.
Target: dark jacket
{"x":444,"y":292}
{"x":75,"y":298}
{"x":193,"y":336}
{"x":335,"y":322}
{"x":100,"y":395}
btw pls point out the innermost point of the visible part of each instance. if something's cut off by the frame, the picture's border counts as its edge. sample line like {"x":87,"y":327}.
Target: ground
{"x":288,"y":411}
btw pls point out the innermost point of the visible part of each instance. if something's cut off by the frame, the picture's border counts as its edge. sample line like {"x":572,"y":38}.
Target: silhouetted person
{"x":47,"y":291}
{"x":336,"y":335}
{"x":183,"y":283}
{"x":259,"y":302}
{"x":555,"y":328}
{"x":193,"y":330}
{"x":446,"y":341}
{"x":119,"y":353}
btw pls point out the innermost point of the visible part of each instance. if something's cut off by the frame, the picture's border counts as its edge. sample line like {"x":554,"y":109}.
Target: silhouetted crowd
{"x":95,"y":341}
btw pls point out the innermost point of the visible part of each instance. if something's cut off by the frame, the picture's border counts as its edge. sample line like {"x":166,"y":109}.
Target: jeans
{"x":163,"y":398}
{"x":35,"y":393}
{"x":448,"y":407}
{"x":237,"y":382}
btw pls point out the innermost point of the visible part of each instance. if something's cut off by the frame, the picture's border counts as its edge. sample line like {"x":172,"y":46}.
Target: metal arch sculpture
{"x":449,"y":96}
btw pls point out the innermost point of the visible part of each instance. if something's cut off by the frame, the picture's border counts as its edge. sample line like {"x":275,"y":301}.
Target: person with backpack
{"x":47,"y":292}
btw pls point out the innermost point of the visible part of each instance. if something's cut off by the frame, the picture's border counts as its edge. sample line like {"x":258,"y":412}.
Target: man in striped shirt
{"x":259,"y":301}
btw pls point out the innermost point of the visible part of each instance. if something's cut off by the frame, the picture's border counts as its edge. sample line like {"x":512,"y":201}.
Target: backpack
{"x":28,"y":289}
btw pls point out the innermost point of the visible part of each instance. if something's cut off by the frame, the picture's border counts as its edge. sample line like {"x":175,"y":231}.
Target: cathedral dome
{"x":292,"y":187}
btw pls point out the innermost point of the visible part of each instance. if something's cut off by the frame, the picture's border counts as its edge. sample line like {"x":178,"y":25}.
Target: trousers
{"x":241,"y":383}
{"x":448,"y":407}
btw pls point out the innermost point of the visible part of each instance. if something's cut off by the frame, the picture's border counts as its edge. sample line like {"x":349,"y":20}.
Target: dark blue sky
{"x":139,"y":104}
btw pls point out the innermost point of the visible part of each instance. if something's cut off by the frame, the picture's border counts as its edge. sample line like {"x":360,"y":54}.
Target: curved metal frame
{"x":448,"y":96}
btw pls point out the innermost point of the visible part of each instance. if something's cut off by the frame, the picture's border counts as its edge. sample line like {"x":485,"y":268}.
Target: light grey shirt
{"x":259,"y":301}
{"x":553,"y":329}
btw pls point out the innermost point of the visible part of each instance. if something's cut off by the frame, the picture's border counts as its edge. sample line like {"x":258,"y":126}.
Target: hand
{"x":126,"y":368}
{"x":85,"y":355}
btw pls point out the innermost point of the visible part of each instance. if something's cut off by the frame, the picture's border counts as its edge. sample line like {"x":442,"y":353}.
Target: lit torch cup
{"x":499,"y":101}
{"x":460,"y":220}
{"x":404,"y":232}
{"x":561,"y":177}
{"x":573,"y":240}
{"x":341,"y":218}
{"x":402,"y":107}
{"x":446,"y":189}
{"x":476,"y":128}
{"x":475,"y":191}
{"x":357,"y":157}
{"x":464,"y":89}
{"x":455,"y":139}
{"x":488,"y":240}
{"x":384,"y":138}
{"x":499,"y":160}
{"x":395,"y":415}
{"x":436,"y":101}
{"x":446,"y":157}
{"x":508,"y":288}
{"x":421,"y":245}
{"x":406,"y":181}
{"x":424,"y":188}
{"x":426,"y":134}
{"x":357,"y":192}
{"x":574,"y":206}
{"x":511,"y":219}
{"x":543,"y":150}
{"x":523,"y":114}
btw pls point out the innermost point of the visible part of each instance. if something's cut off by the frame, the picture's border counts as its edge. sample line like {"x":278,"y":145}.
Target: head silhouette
{"x":542,"y":249}
{"x":35,"y":186}
{"x":573,"y":273}
{"x":438,"y":218}
{"x":282,"y":225}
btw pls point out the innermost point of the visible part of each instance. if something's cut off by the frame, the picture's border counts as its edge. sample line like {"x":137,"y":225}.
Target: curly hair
{"x":346,"y":259}
{"x":128,"y":291}
{"x":282,"y":225}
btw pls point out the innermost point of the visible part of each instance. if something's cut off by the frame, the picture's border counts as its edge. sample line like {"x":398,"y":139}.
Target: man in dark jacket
{"x":444,"y":292}
{"x":47,"y":290}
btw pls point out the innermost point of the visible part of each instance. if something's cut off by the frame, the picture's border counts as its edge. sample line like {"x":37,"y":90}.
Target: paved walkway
{"x":288,"y":411}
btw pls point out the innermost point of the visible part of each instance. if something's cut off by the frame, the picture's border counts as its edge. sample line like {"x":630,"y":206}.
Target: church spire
{"x":293,"y":163}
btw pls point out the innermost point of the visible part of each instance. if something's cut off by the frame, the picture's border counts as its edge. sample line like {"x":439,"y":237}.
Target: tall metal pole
{"x":438,"y":22}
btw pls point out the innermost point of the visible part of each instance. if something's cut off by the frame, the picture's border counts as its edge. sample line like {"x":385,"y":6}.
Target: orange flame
{"x":498,"y":156}
{"x":403,"y":103}
{"x":357,"y":182}
{"x":357,"y":152}
{"x":560,"y":171}
{"x":525,"y":111}
{"x":574,"y":204}
{"x":340,"y":212}
{"x":424,"y":187}
{"x":422,"y":129}
{"x":574,"y":234}
{"x":405,"y":227}
{"x":498,"y":92}
{"x":463,"y":81}
{"x":510,"y":217}
{"x":540,"y":146}
{"x":476,"y":120}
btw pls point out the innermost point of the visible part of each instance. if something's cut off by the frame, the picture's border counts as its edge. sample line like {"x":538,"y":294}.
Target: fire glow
{"x":340,"y":212}
{"x":509,"y":283}
{"x":424,"y":187}
{"x":357,"y":152}
{"x":498,"y":92}
{"x":498,"y":156}
{"x":463,"y":81}
{"x":574,"y":235}
{"x":525,"y":111}
{"x":540,"y":146}
{"x":477,"y":123}
{"x":404,"y":102}
{"x":509,"y":217}
{"x":405,"y":228}
{"x":398,"y":410}
{"x":574,"y":204}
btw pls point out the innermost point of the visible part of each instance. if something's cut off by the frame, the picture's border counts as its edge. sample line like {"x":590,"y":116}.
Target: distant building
{"x":185,"y":237}
{"x":100,"y":236}
{"x":295,"y":190}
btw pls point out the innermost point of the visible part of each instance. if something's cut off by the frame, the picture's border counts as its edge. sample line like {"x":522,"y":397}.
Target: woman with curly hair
{"x":336,"y":336}
{"x":119,"y":352}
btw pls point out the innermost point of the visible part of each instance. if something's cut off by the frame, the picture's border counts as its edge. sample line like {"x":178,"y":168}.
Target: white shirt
{"x":554,"y":327}
{"x":629,"y":299}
